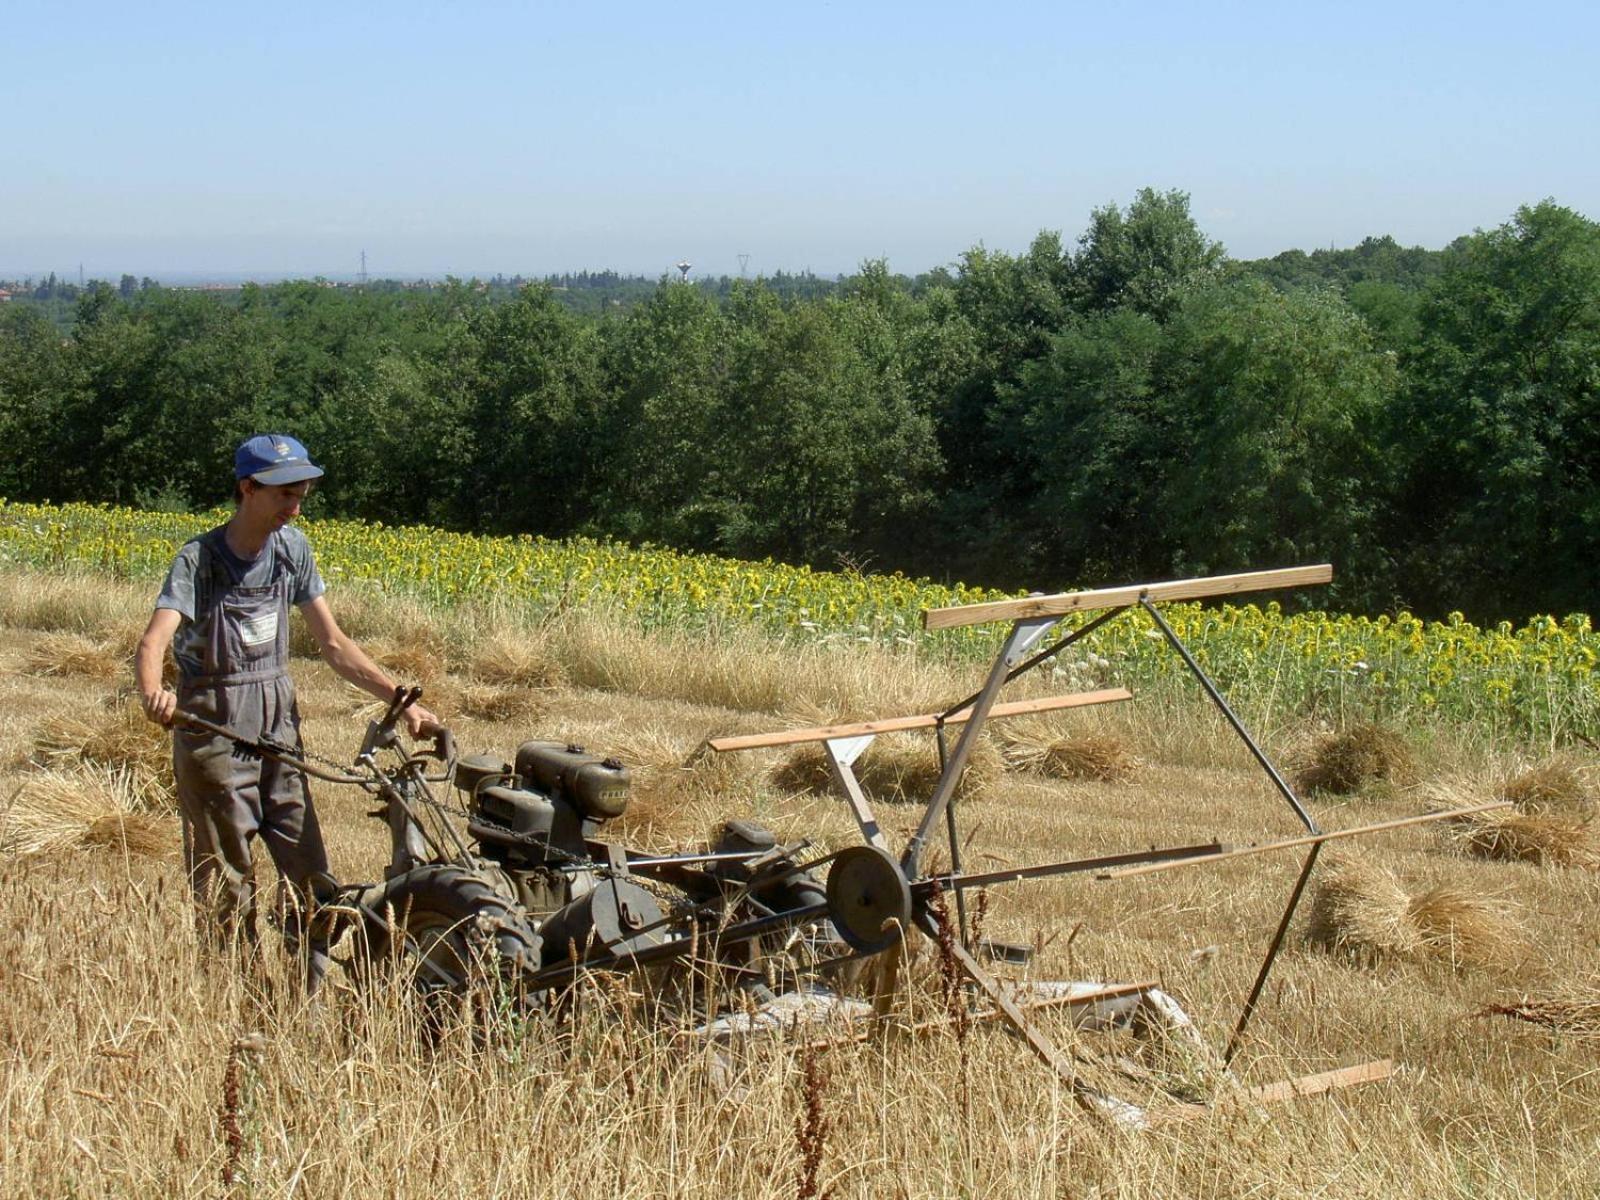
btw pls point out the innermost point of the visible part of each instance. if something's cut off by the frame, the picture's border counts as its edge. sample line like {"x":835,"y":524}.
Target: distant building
{"x":5,"y":296}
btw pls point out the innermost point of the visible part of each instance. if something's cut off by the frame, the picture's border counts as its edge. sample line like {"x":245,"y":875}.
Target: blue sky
{"x":473,"y":138}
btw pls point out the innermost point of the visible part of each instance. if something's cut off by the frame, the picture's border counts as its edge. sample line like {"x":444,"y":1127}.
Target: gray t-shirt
{"x":286,"y":550}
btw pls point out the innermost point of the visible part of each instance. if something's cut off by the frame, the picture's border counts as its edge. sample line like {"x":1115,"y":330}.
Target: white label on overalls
{"x":255,"y":630}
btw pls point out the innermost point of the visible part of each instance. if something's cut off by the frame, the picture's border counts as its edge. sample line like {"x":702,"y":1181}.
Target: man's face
{"x":277,"y":504}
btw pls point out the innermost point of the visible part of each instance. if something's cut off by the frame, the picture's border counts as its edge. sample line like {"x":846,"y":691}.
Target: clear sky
{"x":472,"y":138}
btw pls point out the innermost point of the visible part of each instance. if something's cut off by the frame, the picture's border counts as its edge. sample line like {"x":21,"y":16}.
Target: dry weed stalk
{"x":1366,"y":911}
{"x":1574,"y":1009}
{"x":1343,"y":762}
{"x":238,"y":1085}
{"x":811,"y":1125}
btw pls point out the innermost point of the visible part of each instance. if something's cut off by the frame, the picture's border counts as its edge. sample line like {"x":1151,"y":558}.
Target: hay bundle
{"x":1036,"y":747}
{"x":674,"y":778}
{"x":1550,"y":821}
{"x":62,"y":810}
{"x":1557,"y":787}
{"x":486,"y":702}
{"x":410,"y":662}
{"x":1511,"y":835}
{"x":516,"y":660}
{"x":119,"y":738}
{"x":63,"y":654}
{"x":895,"y":768}
{"x":1365,"y":911}
{"x":1343,"y":762}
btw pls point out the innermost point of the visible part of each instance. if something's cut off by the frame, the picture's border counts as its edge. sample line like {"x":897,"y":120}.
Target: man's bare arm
{"x":148,"y":659}
{"x":351,"y":662}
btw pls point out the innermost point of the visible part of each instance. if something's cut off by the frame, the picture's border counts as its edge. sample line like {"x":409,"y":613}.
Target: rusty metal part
{"x":869,"y":900}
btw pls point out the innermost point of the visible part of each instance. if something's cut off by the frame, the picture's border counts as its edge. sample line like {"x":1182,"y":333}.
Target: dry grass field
{"x":135,"y":1065}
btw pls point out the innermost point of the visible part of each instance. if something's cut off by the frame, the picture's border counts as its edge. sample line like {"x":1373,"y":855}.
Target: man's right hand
{"x":159,"y":702}
{"x":160,"y":705}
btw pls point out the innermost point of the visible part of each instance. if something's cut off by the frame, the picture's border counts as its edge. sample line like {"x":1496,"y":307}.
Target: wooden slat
{"x":1173,"y":589}
{"x":1112,"y":991}
{"x":823,"y":733}
{"x":1288,"y":1089}
{"x":1292,"y":843}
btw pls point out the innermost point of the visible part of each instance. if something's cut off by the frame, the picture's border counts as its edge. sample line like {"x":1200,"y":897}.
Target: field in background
{"x":1538,"y":682}
{"x":135,"y":1068}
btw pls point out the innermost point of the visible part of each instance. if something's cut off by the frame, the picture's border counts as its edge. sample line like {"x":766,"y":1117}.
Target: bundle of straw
{"x":895,"y":768}
{"x":62,"y":810}
{"x":63,"y":654}
{"x":1037,"y":747}
{"x":1366,"y":911}
{"x":1551,"y":820}
{"x":1343,"y":762}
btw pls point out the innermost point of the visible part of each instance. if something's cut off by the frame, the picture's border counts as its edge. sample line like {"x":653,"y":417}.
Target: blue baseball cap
{"x":274,"y":458}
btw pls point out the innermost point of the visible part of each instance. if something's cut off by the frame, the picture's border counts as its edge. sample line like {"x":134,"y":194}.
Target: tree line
{"x":1134,"y":405}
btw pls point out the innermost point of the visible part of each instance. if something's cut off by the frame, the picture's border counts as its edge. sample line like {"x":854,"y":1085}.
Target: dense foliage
{"x":1134,"y":406}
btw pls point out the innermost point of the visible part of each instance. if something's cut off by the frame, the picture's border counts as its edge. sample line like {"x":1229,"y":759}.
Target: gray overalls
{"x":226,"y":801}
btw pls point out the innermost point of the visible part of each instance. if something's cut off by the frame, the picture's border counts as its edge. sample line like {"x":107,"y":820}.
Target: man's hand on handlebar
{"x":420,"y":723}
{"x":159,"y":705}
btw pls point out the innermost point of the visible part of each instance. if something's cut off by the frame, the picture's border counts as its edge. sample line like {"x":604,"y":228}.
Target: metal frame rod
{"x":1272,"y":953}
{"x":1071,"y":867}
{"x":955,"y":840}
{"x":1043,"y":656}
{"x":1238,"y":726}
{"x":1020,"y":635}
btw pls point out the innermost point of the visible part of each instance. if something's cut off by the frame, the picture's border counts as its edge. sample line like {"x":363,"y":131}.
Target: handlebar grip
{"x":396,"y":703}
{"x":444,"y":745}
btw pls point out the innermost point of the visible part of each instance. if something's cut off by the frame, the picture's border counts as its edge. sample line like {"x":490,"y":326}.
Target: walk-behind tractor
{"x":511,"y":886}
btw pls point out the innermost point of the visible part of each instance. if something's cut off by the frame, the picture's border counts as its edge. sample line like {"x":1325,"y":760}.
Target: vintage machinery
{"x":534,"y":895}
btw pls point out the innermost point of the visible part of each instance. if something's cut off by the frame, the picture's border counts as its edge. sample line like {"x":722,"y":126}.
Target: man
{"x":224,"y":610}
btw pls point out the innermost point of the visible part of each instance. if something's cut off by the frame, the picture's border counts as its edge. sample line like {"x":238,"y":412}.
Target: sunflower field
{"x":1537,"y":680}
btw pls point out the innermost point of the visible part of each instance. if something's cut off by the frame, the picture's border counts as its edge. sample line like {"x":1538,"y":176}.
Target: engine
{"x":531,"y":817}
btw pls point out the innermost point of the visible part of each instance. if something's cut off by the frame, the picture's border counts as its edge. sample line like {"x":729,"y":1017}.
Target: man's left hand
{"x":420,"y":723}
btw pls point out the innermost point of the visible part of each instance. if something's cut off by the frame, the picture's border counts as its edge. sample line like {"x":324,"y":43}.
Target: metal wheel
{"x":453,"y":934}
{"x":869,"y":900}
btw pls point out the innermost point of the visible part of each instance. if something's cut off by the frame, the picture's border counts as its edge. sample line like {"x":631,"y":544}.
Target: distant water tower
{"x":683,"y":271}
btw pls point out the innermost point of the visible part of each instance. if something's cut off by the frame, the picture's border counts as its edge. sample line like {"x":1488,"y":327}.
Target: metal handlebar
{"x":444,"y":748}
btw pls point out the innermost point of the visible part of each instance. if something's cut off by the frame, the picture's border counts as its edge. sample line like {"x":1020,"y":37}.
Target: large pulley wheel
{"x":869,"y":900}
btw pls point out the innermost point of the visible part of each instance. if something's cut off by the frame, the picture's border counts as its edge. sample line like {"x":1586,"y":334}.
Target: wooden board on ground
{"x":1287,"y":1089}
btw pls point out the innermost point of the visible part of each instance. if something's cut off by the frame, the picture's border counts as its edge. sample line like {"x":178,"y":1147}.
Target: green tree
{"x":1236,"y":435}
{"x":662,"y":428}
{"x":42,"y":405}
{"x":532,"y":391}
{"x":1144,"y":258}
{"x":1500,"y":514}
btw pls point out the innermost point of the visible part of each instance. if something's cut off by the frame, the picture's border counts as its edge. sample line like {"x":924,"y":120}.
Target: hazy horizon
{"x":181,"y":140}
